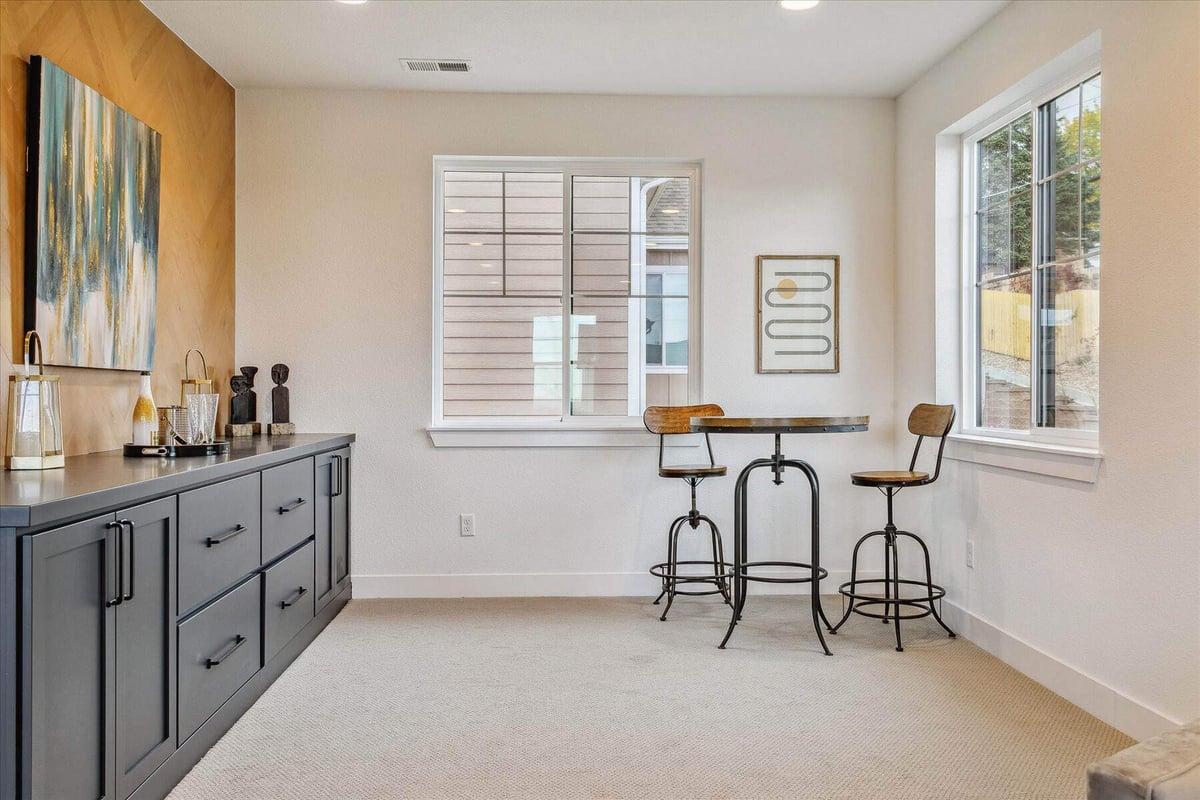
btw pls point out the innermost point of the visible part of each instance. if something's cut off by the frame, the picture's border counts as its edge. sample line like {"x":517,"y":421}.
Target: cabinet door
{"x":68,"y":664}
{"x":332,"y":524}
{"x":145,"y":643}
{"x":341,"y":522}
{"x":327,"y":475}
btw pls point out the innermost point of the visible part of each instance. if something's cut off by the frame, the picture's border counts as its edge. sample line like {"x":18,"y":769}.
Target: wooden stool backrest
{"x":933,"y":421}
{"x":930,"y":420}
{"x":665,"y":420}
{"x":670,"y":420}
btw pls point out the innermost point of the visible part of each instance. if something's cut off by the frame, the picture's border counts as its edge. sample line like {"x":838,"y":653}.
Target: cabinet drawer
{"x":287,"y":507}
{"x":287,"y":599}
{"x":220,"y":539}
{"x":218,"y":652}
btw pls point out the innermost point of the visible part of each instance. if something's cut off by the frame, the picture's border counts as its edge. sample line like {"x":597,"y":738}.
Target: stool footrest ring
{"x":937,"y":591}
{"x":662,"y":571}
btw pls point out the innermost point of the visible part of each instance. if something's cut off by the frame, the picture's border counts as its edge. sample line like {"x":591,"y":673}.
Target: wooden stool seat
{"x":691,"y":471}
{"x":889,"y":477}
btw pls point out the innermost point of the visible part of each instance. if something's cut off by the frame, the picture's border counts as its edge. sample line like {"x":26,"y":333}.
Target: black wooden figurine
{"x":240,"y":403}
{"x":250,"y":372}
{"x":280,"y":404}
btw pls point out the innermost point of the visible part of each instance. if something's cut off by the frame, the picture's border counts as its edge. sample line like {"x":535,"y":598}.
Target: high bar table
{"x":777,"y":463}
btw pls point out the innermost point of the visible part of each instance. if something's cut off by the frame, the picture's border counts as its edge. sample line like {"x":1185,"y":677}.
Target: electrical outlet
{"x":466,"y":524}
{"x":970,"y":554}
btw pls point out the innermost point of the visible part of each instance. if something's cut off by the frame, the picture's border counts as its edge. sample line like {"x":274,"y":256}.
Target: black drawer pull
{"x":299,"y":502}
{"x":238,"y":641}
{"x":295,"y":598}
{"x":127,"y":554}
{"x":224,"y":537}
{"x":114,"y":564}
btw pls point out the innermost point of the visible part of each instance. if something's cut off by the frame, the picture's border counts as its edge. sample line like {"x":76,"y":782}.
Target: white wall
{"x":334,"y":278}
{"x":1092,"y":588}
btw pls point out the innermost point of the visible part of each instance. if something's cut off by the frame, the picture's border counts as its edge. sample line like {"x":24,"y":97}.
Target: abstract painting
{"x":797,"y":313}
{"x":91,"y":231}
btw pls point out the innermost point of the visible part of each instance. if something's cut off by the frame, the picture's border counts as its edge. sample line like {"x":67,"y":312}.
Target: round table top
{"x":779,"y":424}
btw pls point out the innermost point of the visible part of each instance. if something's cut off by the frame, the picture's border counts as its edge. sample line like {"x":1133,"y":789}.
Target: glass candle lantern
{"x":34,"y":439}
{"x":201,"y":385}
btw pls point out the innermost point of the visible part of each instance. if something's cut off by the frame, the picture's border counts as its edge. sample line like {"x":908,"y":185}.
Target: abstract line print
{"x":797,"y":313}
{"x":91,"y":277}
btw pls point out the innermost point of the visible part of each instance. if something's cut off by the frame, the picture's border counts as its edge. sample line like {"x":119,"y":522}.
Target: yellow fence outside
{"x":1004,"y":323}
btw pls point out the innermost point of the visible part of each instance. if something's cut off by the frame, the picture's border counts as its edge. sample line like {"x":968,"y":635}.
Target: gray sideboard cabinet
{"x":145,"y":604}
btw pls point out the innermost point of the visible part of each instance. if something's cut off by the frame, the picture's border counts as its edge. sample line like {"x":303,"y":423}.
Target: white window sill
{"x":547,"y":436}
{"x":1060,"y":461}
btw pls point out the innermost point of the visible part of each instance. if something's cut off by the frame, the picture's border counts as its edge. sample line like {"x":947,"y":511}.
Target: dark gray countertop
{"x":98,"y":481}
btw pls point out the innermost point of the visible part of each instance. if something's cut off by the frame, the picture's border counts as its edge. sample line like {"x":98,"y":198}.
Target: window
{"x":518,"y":241}
{"x":1032,"y":230}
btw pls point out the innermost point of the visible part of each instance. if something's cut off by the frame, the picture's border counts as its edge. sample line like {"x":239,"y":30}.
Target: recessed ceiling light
{"x":798,"y":5}
{"x":670,"y":210}
{"x":651,"y":244}
{"x":456,"y":211}
{"x":475,"y":244}
{"x":486,"y":266}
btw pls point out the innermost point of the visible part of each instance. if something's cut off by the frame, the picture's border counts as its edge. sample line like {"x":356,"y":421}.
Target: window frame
{"x":569,"y":168}
{"x":969,"y":362}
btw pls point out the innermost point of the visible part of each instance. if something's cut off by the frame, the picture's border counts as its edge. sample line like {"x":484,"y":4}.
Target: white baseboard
{"x":556,"y":584}
{"x":1101,"y":701}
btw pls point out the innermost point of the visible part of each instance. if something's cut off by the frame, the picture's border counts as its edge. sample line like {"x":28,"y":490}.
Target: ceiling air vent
{"x":437,"y":64}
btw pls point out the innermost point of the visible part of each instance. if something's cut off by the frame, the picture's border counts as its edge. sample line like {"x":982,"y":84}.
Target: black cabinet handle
{"x":224,"y":537}
{"x":292,"y":507}
{"x":338,"y":469}
{"x":238,"y":641}
{"x":128,"y":555}
{"x":112,"y":572}
{"x":295,"y":598}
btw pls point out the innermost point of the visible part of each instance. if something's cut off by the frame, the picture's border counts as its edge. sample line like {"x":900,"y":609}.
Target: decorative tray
{"x":217,"y":448}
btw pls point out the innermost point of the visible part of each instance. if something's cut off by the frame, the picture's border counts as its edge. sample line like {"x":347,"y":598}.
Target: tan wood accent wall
{"x":123,"y":51}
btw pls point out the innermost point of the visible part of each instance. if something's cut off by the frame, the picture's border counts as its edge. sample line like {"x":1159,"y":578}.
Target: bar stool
{"x":925,"y":420}
{"x":669,"y":421}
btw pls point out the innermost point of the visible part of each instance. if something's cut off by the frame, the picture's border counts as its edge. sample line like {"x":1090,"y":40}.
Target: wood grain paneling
{"x":122,"y":50}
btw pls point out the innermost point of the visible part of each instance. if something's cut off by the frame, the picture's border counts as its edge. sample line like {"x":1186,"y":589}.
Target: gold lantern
{"x":202,"y":385}
{"x":34,"y":439}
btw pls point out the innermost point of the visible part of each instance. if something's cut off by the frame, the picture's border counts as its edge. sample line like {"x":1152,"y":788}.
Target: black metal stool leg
{"x":887,"y":579}
{"x":666,"y":584}
{"x":672,"y":564}
{"x":929,"y":582}
{"x":854,"y":578}
{"x":896,"y":589}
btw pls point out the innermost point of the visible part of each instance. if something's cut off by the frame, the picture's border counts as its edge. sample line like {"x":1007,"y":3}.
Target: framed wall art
{"x":797,"y":313}
{"x":91,"y":225}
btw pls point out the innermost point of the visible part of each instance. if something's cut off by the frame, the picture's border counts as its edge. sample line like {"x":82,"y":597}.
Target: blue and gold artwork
{"x":92,"y":225}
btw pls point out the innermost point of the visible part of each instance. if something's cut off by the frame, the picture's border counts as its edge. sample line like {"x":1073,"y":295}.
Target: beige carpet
{"x":595,"y":698}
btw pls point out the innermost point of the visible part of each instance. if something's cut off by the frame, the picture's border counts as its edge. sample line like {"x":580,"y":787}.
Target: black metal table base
{"x":741,"y":574}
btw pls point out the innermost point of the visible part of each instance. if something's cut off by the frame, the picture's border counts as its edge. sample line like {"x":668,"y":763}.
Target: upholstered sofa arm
{"x":1166,"y":767}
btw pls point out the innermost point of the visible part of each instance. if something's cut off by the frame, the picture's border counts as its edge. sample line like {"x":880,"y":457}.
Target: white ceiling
{"x":713,"y":47}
